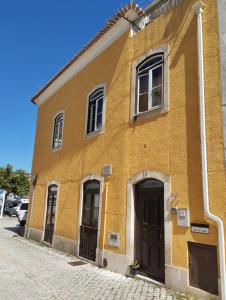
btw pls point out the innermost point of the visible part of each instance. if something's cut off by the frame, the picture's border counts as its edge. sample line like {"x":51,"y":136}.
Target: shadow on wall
{"x":185,"y":49}
{"x":76,"y":155}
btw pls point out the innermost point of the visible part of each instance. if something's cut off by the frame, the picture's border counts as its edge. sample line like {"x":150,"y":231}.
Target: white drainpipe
{"x":198,"y":7}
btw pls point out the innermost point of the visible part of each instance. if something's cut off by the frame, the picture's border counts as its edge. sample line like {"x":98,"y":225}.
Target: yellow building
{"x":119,"y":170}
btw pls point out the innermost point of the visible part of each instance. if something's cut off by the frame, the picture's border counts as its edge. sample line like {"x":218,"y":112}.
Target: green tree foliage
{"x":16,"y":182}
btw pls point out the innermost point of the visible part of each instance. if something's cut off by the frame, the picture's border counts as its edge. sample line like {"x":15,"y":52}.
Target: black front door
{"x":50,"y":213}
{"x":149,"y":228}
{"x":90,"y":214}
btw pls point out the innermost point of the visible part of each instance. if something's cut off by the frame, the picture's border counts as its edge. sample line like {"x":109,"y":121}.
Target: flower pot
{"x":133,"y":271}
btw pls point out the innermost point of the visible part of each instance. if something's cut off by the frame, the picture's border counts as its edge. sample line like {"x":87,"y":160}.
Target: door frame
{"x":83,"y":181}
{"x":57,"y":183}
{"x":130,"y":223}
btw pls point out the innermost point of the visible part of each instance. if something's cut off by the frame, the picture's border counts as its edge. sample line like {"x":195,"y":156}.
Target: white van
{"x":22,"y":213}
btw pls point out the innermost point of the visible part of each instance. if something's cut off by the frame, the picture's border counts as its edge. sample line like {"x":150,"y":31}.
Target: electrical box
{"x":183,"y":217}
{"x":107,"y":170}
{"x":114,"y":239}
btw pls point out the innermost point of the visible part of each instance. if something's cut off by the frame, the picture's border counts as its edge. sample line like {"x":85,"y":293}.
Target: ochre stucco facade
{"x":167,"y":142}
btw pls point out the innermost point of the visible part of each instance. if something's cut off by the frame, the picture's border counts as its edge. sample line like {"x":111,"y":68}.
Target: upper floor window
{"x":95,"y":111}
{"x":58,"y":131}
{"x":150,"y":83}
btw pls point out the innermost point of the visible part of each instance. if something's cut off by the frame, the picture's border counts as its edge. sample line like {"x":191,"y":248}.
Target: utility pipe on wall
{"x":198,"y":7}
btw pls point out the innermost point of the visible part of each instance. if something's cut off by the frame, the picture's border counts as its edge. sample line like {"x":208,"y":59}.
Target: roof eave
{"x":111,"y":23}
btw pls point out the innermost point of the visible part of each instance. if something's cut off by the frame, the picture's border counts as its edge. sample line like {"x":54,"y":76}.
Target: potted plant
{"x":134,"y":267}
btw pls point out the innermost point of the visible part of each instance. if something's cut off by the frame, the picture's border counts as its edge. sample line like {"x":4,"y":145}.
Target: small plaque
{"x":114,"y":239}
{"x":107,"y":170}
{"x":200,"y":228}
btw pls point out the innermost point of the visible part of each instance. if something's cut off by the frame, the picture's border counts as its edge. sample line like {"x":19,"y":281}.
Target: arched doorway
{"x":149,"y":228}
{"x":90,"y":217}
{"x":50,"y":213}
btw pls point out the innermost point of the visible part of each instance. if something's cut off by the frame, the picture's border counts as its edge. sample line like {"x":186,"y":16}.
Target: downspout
{"x":198,"y":7}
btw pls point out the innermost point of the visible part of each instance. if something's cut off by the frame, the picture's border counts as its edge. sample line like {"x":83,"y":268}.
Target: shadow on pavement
{"x":19,"y":230}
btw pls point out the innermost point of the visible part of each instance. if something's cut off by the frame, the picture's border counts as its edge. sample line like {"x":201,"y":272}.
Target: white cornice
{"x":108,"y":38}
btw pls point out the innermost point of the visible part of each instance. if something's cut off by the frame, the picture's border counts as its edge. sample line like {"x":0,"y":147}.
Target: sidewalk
{"x":29,"y":270}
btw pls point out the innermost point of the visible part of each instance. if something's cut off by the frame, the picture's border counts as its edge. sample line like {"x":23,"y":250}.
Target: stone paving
{"x":31,"y":271}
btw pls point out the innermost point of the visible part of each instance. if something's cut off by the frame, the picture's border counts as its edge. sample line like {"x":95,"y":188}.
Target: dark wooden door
{"x":203,"y":271}
{"x":90,"y":215}
{"x":50,"y":214}
{"x":149,"y":228}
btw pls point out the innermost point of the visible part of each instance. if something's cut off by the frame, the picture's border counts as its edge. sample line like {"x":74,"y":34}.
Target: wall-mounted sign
{"x":107,"y":170}
{"x":114,"y":239}
{"x":199,"y":228}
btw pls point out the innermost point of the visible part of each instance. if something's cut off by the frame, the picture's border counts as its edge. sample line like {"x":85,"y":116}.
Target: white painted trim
{"x":108,"y":38}
{"x":64,"y":244}
{"x":165,"y":106}
{"x":116,"y":262}
{"x":85,"y":179}
{"x":57,"y":200}
{"x":130,"y":230}
{"x":62,"y":111}
{"x":99,"y":131}
{"x":31,"y":210}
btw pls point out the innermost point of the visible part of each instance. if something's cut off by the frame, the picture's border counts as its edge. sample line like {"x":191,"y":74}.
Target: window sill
{"x":56,"y":149}
{"x":150,"y":113}
{"x":94,"y":133}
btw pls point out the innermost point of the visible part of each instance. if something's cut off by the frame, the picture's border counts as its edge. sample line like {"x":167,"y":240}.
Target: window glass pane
{"x":99,"y":121}
{"x":95,"y":210}
{"x":157,"y":96}
{"x":150,"y":183}
{"x":56,"y":131}
{"x":149,"y":63}
{"x":143,"y":84}
{"x":86,"y":210}
{"x":143,"y":102}
{"x":157,"y":77}
{"x":53,"y":188}
{"x":96,"y":94}
{"x":91,"y":117}
{"x":92,"y":185}
{"x":60,"y":134}
{"x":100,"y":106}
{"x":59,"y":118}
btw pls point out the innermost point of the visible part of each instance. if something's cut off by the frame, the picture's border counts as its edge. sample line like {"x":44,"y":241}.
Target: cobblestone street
{"x":29,"y":270}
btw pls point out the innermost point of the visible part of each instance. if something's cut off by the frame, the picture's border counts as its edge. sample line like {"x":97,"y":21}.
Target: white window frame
{"x":153,"y":111}
{"x":100,"y":130}
{"x":53,"y":148}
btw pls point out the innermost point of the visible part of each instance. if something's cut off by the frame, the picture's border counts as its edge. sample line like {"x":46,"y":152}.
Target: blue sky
{"x":37,"y":38}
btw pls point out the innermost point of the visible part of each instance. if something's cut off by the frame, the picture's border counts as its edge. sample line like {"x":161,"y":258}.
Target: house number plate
{"x":200,"y":228}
